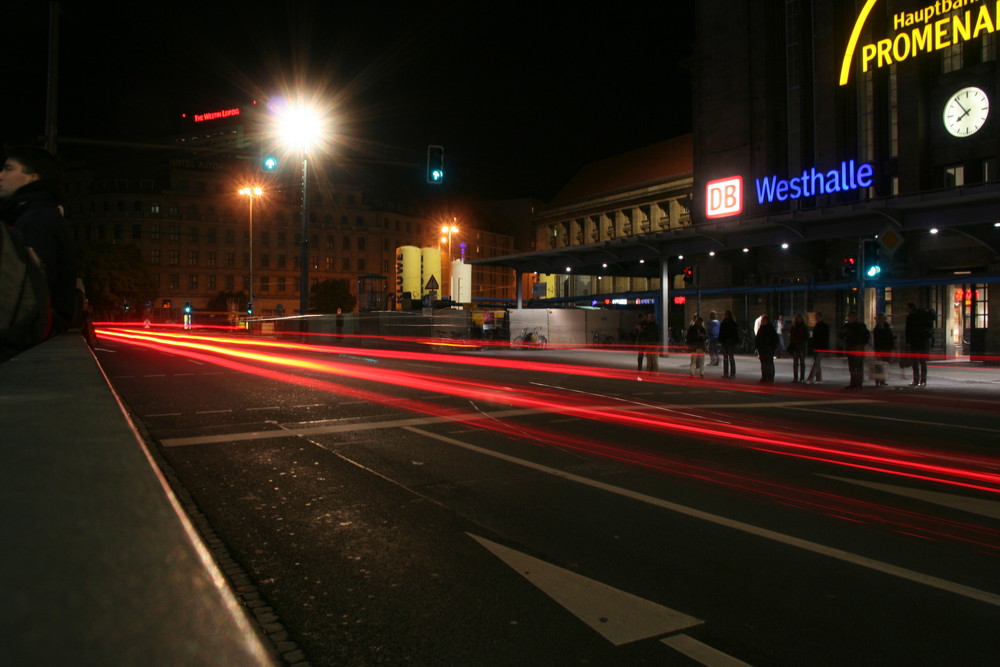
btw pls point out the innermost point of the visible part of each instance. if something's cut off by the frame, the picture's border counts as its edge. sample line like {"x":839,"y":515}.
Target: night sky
{"x":520,"y":94}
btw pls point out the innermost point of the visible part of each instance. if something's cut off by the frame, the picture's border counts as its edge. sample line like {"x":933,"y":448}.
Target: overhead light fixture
{"x":934,"y":230}
{"x":784,"y":246}
{"x":711,"y":253}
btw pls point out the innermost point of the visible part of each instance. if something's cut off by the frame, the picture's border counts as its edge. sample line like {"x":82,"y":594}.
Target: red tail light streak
{"x":326,"y":371}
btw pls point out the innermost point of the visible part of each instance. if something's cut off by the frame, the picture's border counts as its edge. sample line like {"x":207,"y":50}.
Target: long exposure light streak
{"x":874,"y":457}
{"x":877,"y":457}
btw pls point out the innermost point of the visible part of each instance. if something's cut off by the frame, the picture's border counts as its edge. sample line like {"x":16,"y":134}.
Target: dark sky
{"x":520,"y":94}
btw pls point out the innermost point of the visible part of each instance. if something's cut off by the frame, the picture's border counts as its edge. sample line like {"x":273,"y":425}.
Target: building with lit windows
{"x":844,"y":156}
{"x":179,"y":204}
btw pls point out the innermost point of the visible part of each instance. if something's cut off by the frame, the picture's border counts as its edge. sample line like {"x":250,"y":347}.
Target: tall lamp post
{"x":449,"y":230}
{"x":301,"y":128}
{"x":252,"y":193}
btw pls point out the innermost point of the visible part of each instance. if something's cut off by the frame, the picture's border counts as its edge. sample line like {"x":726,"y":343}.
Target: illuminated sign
{"x":812,"y":182}
{"x":724,"y":197}
{"x":215,"y":115}
{"x":931,"y":28}
{"x":680,"y":300}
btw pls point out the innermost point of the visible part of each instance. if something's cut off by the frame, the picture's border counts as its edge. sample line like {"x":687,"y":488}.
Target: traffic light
{"x":435,"y":164}
{"x":268,"y":162}
{"x":187,"y":307}
{"x":688,"y":275}
{"x":848,"y":267}
{"x":249,"y":307}
{"x":873,"y":264}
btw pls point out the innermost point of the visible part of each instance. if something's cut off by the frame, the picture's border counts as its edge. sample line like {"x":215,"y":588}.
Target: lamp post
{"x":252,"y":193}
{"x":449,"y":230}
{"x":302,"y":128}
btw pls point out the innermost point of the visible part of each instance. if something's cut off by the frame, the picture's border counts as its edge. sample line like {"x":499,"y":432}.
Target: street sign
{"x":432,"y":284}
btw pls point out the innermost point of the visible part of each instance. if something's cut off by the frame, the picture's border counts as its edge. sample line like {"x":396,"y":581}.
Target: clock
{"x":965,"y":112}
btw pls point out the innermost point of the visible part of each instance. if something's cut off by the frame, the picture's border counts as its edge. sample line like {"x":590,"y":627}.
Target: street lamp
{"x":252,"y":193}
{"x":449,"y":230}
{"x":301,"y":128}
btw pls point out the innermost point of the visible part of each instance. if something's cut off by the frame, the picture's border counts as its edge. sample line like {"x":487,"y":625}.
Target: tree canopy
{"x":115,"y":277}
{"x":329,"y":295}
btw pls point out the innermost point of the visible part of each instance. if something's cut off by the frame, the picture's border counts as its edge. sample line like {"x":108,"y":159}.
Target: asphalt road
{"x":419,"y":511}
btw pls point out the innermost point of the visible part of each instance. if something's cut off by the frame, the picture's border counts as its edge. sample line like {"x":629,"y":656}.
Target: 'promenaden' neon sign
{"x":932,"y":28}
{"x":849,"y":176}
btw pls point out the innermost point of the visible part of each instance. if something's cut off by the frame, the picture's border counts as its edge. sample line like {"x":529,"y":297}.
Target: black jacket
{"x":33,"y":210}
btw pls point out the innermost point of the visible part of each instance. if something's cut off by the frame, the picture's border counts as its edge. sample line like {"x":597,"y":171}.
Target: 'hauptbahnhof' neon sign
{"x":931,"y":28}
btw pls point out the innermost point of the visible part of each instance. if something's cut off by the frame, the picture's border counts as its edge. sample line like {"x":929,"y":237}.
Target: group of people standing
{"x":855,"y":337}
{"x":720,"y":340}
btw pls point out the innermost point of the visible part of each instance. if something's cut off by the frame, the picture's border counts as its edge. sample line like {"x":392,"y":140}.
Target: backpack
{"x":25,"y":304}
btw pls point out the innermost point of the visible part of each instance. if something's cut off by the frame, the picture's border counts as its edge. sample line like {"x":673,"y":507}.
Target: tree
{"x":224,"y":302}
{"x":115,"y":277}
{"x":329,"y":295}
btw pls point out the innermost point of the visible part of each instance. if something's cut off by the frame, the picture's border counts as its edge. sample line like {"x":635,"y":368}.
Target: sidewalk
{"x":953,"y":376}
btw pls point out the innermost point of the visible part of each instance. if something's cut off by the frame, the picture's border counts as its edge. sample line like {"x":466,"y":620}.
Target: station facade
{"x":844,"y":156}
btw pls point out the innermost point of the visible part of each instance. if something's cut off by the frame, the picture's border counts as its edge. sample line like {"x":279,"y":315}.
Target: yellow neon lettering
{"x":961,"y":32}
{"x":983,"y":22}
{"x":941,"y":34}
{"x":904,"y":53}
{"x":883,"y":52}
{"x":867,"y":53}
{"x":921,"y":39}
{"x":852,"y":44}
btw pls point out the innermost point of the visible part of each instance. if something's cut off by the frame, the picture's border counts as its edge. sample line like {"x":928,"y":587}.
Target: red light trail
{"x":979,"y":474}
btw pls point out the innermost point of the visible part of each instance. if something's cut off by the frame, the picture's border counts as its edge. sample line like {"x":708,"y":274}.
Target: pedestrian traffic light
{"x":435,"y":164}
{"x":187,"y":307}
{"x":873,"y":264}
{"x":848,"y":267}
{"x":688,"y":275}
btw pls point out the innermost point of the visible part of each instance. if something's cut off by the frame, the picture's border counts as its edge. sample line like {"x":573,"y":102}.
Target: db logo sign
{"x":724,"y":197}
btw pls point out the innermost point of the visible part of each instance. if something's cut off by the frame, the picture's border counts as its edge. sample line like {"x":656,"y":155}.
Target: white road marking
{"x":212,"y":412}
{"x":619,"y":617}
{"x":950,"y":424}
{"x":269,"y":407}
{"x":164,"y":414}
{"x":765,"y":533}
{"x":990,"y":508}
{"x":340,"y":427}
{"x":702,"y":653}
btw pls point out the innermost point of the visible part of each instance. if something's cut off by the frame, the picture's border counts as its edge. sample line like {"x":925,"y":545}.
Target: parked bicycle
{"x":602,"y":339}
{"x":529,"y":339}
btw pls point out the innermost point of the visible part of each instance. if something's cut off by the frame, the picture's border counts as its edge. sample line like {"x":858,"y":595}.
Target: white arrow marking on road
{"x":989,"y":508}
{"x":618,"y":616}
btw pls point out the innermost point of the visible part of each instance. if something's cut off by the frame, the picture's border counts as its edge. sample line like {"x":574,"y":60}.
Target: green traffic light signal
{"x":269,"y":163}
{"x":435,"y":164}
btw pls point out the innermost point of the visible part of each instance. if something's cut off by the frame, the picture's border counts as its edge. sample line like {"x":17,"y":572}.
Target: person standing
{"x":729,"y":339}
{"x":767,"y":344}
{"x":779,"y":328}
{"x":855,"y":335}
{"x":652,"y":339}
{"x":713,"y":337}
{"x":640,"y":338}
{"x":798,"y":342}
{"x":31,"y":202}
{"x":883,"y":342}
{"x":696,"y":337}
{"x":919,"y":331}
{"x":820,"y":342}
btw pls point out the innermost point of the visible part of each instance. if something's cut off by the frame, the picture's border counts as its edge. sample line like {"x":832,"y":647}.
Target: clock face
{"x":966,"y":111}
